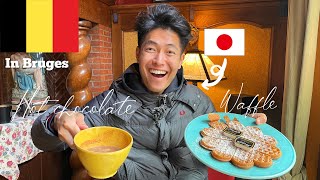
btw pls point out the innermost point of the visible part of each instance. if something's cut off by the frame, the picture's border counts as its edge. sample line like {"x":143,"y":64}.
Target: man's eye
{"x":150,"y":49}
{"x":171,"y":52}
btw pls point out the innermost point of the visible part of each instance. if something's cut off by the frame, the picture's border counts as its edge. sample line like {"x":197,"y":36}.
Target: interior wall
{"x":252,"y":69}
{"x":129,"y":49}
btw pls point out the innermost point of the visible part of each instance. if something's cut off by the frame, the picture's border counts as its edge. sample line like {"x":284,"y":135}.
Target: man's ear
{"x":181,"y":59}
{"x":137,"y":53}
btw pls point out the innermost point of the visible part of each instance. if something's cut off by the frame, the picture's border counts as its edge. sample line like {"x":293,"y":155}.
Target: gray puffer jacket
{"x":156,"y":122}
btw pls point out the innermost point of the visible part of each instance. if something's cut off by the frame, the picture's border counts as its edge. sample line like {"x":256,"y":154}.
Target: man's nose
{"x":160,"y":58}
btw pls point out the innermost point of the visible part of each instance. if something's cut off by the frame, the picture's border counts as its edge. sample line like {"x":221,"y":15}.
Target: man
{"x":160,"y":103}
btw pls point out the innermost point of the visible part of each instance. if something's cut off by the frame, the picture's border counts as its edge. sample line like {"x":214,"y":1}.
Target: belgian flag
{"x":39,"y":25}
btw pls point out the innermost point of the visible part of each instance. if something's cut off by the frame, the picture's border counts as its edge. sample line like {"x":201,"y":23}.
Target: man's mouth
{"x":158,"y":73}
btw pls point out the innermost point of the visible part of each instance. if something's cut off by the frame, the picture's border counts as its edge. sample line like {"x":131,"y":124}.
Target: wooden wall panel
{"x":1,"y":76}
{"x":255,"y":13}
{"x":261,"y":13}
{"x":6,"y":81}
{"x":95,"y":11}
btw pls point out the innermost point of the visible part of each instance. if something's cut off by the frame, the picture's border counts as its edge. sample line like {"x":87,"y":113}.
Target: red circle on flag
{"x":224,"y":42}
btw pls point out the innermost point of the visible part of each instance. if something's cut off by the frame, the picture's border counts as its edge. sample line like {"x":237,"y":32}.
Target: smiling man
{"x":161,"y":105}
{"x":160,"y":57}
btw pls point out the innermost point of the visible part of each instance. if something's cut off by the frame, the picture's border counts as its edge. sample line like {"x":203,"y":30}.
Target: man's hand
{"x":68,"y":124}
{"x":261,"y":118}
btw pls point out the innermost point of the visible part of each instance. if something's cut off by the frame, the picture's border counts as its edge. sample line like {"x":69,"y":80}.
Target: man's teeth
{"x":157,"y":71}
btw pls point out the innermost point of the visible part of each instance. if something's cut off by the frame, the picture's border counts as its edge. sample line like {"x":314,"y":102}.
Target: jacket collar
{"x":131,"y":82}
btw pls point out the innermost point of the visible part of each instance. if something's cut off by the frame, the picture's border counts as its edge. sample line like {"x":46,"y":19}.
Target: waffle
{"x":223,"y":151}
{"x":243,"y":159}
{"x":268,"y":149}
{"x":223,"y":148}
{"x":253,"y":133}
{"x":235,"y":124}
{"x":270,"y":140}
{"x":213,"y":133}
{"x":262,"y":160}
{"x":208,"y":142}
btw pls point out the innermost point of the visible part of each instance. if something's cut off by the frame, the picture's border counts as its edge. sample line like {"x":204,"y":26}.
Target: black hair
{"x":163,"y":16}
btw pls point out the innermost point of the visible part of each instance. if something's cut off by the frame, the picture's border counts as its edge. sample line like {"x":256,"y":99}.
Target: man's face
{"x":159,"y":59}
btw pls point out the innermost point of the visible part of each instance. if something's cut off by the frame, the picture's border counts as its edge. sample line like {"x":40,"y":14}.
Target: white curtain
{"x":302,"y":32}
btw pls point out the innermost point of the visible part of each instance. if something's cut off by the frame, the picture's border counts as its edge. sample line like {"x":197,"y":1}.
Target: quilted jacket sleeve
{"x":46,"y":140}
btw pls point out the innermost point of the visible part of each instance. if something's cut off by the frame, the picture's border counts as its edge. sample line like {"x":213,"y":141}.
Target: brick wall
{"x":100,"y":59}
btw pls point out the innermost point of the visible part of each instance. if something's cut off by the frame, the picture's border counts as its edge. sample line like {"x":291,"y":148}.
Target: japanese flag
{"x":224,"y":42}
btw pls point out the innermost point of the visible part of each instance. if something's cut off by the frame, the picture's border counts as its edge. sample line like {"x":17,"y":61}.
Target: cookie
{"x":217,"y":125}
{"x":213,"y":117}
{"x":231,"y":133}
{"x":227,"y":119}
{"x":244,"y":143}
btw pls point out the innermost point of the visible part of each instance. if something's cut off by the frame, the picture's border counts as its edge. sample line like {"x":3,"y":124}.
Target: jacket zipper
{"x":164,"y":99}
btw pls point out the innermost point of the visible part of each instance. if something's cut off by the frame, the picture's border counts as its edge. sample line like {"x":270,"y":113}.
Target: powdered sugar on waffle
{"x":270,"y":140}
{"x":235,"y":124}
{"x":243,"y":155}
{"x":216,"y":133}
{"x":222,"y":150}
{"x":223,"y":147}
{"x":243,"y":159}
{"x":253,"y":133}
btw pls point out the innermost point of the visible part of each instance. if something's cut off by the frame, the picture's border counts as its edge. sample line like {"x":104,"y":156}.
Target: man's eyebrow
{"x":150,"y":42}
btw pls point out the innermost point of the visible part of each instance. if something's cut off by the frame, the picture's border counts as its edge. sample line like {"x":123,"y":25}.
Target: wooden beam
{"x":108,"y":2}
{"x":95,"y":11}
